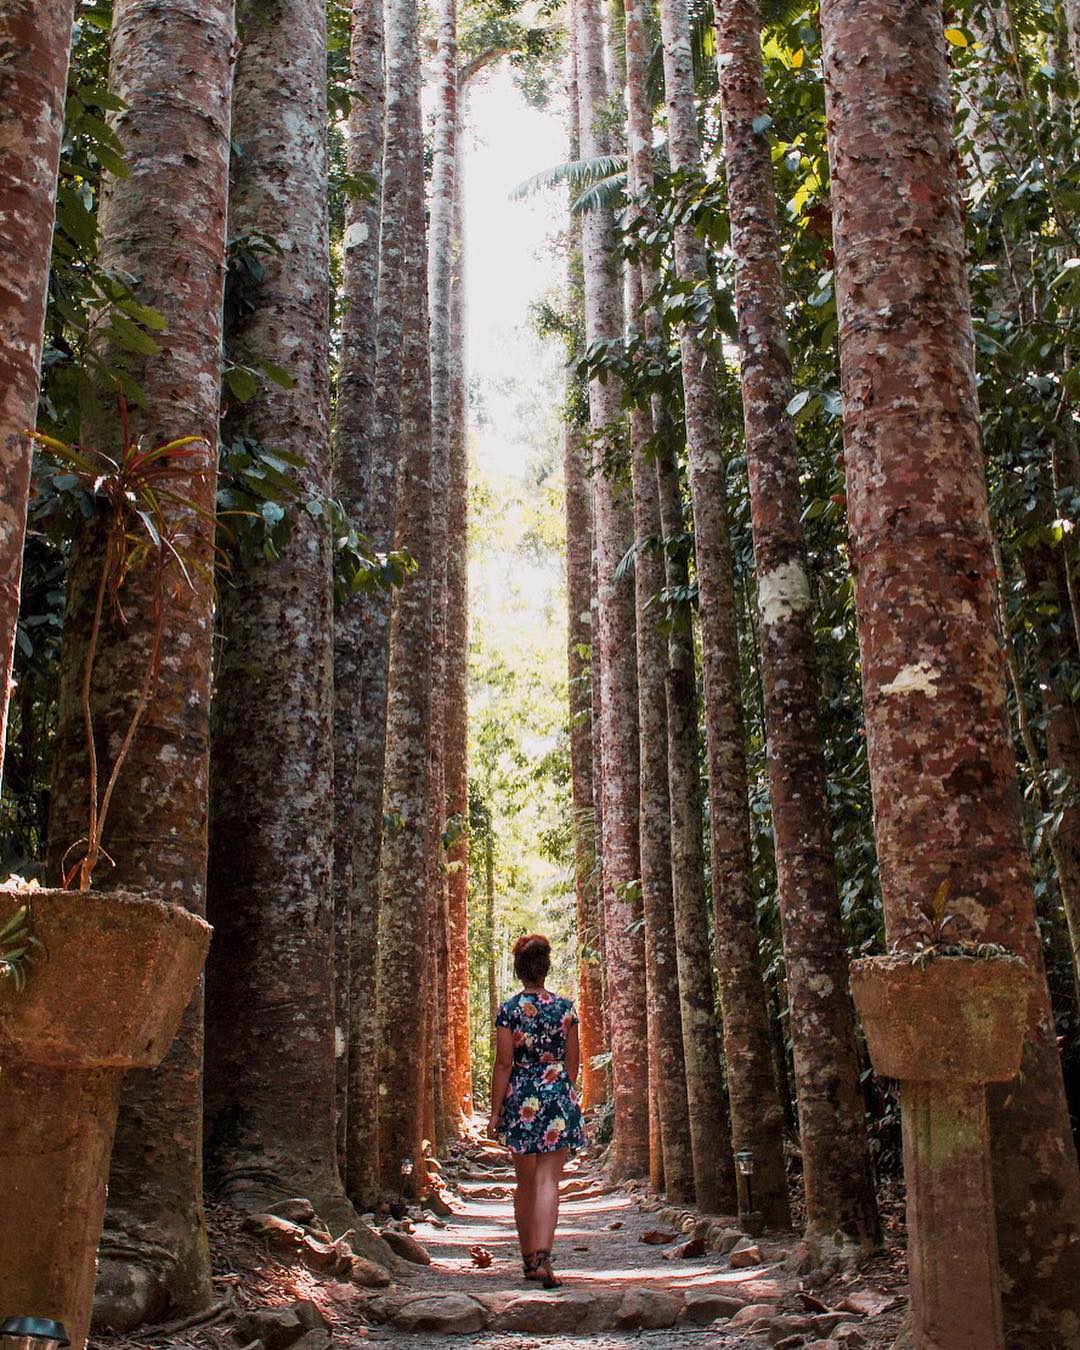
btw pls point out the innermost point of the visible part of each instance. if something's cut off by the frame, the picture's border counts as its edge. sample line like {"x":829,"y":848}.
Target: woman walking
{"x":534,"y":1104}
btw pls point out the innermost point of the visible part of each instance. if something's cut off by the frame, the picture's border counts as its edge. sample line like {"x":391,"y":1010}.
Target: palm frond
{"x":603,"y":195}
{"x":575,"y":173}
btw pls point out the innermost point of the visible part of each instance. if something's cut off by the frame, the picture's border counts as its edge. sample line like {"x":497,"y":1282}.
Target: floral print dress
{"x":541,"y":1112}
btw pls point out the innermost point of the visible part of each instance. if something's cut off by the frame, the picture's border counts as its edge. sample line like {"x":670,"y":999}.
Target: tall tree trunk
{"x":270,"y":1029}
{"x":666,"y":1059}
{"x":613,"y":527}
{"x":175,"y":134}
{"x":756,"y":1115}
{"x":406,"y":911}
{"x":35,"y":36}
{"x":578,"y":635}
{"x":357,"y":782}
{"x":457,"y":661}
{"x":710,"y":1127}
{"x":440,"y":300}
{"x":937,"y":728}
{"x":579,"y":638}
{"x":838,"y":1179}
{"x":1072,"y":28}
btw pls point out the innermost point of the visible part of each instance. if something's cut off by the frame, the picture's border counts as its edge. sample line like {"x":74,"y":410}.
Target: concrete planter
{"x":945,"y":1029}
{"x":105,"y":994}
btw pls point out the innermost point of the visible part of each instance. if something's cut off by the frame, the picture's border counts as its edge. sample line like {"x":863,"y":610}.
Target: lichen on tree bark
{"x":943,"y":771}
{"x":175,"y":136}
{"x":613,"y":533}
{"x":838,"y":1180}
{"x":756,"y":1116}
{"x":35,"y":38}
{"x":270,"y":1042}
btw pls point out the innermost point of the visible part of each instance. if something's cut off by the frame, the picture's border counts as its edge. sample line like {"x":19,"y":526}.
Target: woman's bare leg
{"x":525,"y":1199}
{"x":549,"y":1168}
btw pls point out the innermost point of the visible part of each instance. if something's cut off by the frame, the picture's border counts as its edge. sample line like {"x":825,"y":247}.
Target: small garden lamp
{"x":32,"y":1333}
{"x":744,"y":1168}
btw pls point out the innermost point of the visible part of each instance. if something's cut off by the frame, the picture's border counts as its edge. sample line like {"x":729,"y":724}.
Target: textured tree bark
{"x":1072,"y":28}
{"x":356,"y":437}
{"x":710,"y":1127}
{"x":667,"y":1064}
{"x":175,"y":133}
{"x":440,"y":302}
{"x":270,"y":1030}
{"x":946,"y":799}
{"x":666,"y":1061}
{"x":579,"y":636}
{"x":35,"y":36}
{"x":838,"y":1179}
{"x":457,"y":658}
{"x":613,"y":533}
{"x":756,"y":1115}
{"x":406,"y":912}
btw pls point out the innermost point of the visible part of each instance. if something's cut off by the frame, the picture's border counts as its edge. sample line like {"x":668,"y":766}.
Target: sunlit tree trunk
{"x":457,"y":660}
{"x":407,"y":917}
{"x":579,"y":636}
{"x":175,"y":134}
{"x":756,"y":1115}
{"x":361,"y":489}
{"x":937,"y":728}
{"x":838,"y":1180}
{"x":270,"y":1029}
{"x":666,"y":1058}
{"x":709,"y":1130}
{"x":1072,"y":28}
{"x":36,"y":40}
{"x":613,"y":533}
{"x":440,"y":299}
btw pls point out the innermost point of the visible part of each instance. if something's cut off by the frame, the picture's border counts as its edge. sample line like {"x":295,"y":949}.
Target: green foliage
{"x":17,"y":947}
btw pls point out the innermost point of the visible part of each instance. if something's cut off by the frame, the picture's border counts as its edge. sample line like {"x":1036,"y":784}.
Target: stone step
{"x":566,"y":1310}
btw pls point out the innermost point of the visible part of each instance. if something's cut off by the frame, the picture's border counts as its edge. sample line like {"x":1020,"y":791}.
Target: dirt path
{"x":618,"y":1290}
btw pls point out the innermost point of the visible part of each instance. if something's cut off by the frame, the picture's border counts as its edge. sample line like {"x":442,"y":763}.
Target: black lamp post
{"x":32,"y":1333}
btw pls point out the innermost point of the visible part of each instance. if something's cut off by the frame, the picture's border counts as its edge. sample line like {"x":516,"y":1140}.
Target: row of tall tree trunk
{"x":936,"y":725}
{"x":266,"y":765}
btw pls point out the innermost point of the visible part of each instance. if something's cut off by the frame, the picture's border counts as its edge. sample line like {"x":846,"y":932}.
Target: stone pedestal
{"x":105,"y":994}
{"x":945,"y":1030}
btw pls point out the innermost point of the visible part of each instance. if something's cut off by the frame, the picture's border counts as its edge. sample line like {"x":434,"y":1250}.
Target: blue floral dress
{"x":541,"y":1112}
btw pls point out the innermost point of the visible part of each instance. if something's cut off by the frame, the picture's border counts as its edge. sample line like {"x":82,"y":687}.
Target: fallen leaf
{"x":812,"y":1304}
{"x":481,"y":1257}
{"x":613,"y":1227}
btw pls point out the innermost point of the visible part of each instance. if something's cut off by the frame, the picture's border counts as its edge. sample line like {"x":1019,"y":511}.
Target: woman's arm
{"x":500,"y":1075}
{"x":573,"y":1054}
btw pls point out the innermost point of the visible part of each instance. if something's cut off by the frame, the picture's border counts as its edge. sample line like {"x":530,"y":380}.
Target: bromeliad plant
{"x":936,"y":935}
{"x":147,"y":525}
{"x":17,"y":944}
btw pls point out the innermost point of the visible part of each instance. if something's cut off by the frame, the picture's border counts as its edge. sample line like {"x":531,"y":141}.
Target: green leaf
{"x":243,"y":383}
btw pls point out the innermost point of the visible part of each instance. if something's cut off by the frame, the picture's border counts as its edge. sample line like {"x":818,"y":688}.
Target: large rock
{"x":280,"y":1328}
{"x":746,"y":1317}
{"x":702,"y":1306}
{"x":720,"y":1238}
{"x":451,"y":1314}
{"x":279,"y":1234}
{"x":743,"y":1257}
{"x":544,"y":1313}
{"x":401,"y":1244}
{"x":649,"y":1309}
{"x":368,"y":1274}
{"x":297,"y":1210}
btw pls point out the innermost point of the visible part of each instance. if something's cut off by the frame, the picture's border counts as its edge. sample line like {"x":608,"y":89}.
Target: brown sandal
{"x":545,"y":1271}
{"x":528,"y":1266}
